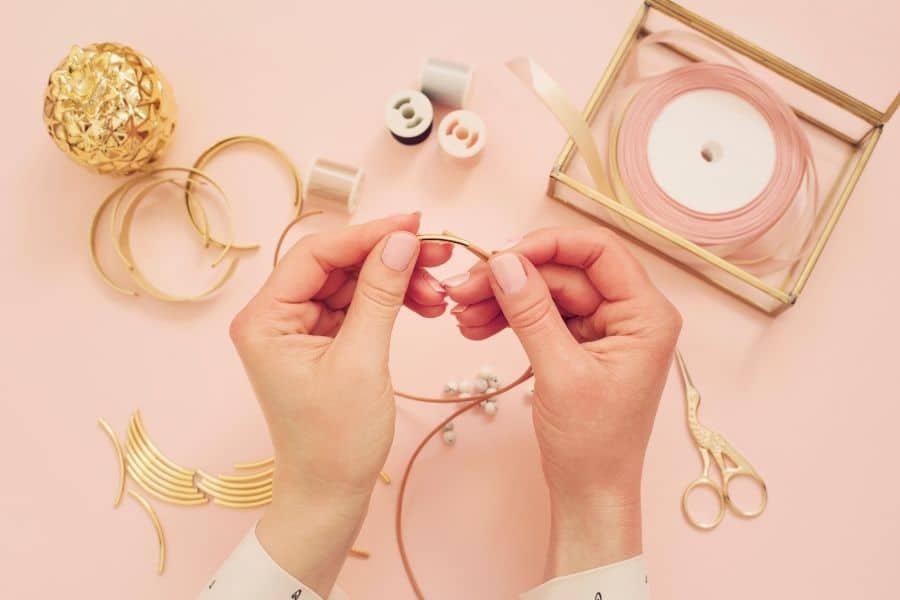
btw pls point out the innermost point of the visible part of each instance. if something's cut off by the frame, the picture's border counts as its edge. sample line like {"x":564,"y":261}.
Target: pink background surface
{"x":810,"y":398}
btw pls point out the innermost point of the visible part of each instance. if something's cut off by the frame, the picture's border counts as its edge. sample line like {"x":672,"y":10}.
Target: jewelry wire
{"x":470,"y":401}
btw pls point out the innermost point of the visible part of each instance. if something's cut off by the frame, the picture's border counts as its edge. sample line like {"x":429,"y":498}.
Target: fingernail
{"x":509,"y":272}
{"x":510,"y":243}
{"x":456,"y":280}
{"x":459,"y":308}
{"x":435,"y":285}
{"x":399,"y":250}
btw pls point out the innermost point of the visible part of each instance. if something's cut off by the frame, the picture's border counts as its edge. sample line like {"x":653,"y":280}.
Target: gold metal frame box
{"x":844,"y":129}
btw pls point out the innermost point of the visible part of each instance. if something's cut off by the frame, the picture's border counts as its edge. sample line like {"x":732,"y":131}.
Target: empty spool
{"x":462,"y":134}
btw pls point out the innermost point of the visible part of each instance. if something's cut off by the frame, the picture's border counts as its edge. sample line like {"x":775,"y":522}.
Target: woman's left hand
{"x":314,"y":342}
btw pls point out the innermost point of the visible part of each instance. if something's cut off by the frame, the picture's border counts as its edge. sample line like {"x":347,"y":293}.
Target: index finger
{"x":305,"y":268}
{"x":609,"y":265}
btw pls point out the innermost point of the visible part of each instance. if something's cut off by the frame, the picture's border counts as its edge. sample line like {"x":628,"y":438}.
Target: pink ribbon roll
{"x":751,"y":215}
{"x":769,"y":232}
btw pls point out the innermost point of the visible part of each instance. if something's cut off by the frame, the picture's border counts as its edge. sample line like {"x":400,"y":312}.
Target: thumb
{"x":380,"y":290}
{"x":529,"y":309}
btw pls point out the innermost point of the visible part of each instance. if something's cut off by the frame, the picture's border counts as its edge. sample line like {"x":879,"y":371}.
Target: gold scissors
{"x":730,"y":462}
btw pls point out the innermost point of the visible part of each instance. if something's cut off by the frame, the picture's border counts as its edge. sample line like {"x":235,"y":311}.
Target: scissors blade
{"x":682,"y":367}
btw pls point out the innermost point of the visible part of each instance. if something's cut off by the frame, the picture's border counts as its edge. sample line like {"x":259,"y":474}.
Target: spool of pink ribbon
{"x":747,"y":197}
{"x":705,"y":149}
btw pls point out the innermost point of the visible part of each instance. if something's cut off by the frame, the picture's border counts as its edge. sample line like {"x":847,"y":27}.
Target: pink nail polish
{"x":399,"y":250}
{"x":509,"y":272}
{"x":456,"y":280}
{"x":459,"y":309}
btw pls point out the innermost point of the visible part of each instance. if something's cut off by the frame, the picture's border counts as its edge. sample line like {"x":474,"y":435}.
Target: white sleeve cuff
{"x":626,"y":580}
{"x":251,"y":573}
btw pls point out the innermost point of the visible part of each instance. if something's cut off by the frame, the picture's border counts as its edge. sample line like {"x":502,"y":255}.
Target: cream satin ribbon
{"x":553,"y":96}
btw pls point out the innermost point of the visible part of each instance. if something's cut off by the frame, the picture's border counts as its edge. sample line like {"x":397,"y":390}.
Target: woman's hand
{"x":600,"y":339}
{"x":314,"y":342}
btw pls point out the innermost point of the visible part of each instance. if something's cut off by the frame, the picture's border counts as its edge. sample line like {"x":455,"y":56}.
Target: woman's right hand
{"x":600,"y":338}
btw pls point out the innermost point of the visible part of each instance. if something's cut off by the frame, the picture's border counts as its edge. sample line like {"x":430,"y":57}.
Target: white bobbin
{"x":446,"y":83}
{"x":462,"y":134}
{"x":409,"y":116}
{"x":333,"y":182}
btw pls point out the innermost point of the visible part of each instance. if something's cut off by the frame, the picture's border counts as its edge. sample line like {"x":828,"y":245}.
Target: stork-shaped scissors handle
{"x":715,"y":449}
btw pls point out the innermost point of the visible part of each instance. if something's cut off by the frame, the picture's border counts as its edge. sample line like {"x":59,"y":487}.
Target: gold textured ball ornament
{"x":109,"y":108}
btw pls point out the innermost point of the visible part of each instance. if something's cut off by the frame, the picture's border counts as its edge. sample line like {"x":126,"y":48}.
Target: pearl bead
{"x":485,"y":372}
{"x":490,"y":407}
{"x":490,"y":390}
{"x":466,"y":386}
{"x":451,"y":387}
{"x":493,"y":381}
{"x":449,"y":437}
{"x":481,"y":385}
{"x":465,"y":395}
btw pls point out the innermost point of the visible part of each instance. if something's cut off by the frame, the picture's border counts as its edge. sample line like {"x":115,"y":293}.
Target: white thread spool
{"x":333,"y":182}
{"x":446,"y":83}
{"x":409,"y":116}
{"x":462,"y":134}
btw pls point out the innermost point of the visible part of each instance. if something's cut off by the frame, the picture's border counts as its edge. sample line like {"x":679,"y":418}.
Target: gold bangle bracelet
{"x":218,"y":147}
{"x":123,"y":190}
{"x":123,"y":246}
